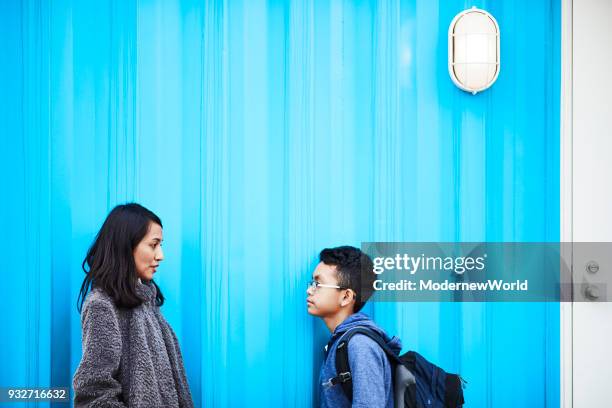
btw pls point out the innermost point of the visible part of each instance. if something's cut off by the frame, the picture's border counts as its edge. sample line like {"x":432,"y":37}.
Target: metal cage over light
{"x":473,"y":50}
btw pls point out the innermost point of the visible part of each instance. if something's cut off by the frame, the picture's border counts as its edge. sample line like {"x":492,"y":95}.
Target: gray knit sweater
{"x":131,"y":357}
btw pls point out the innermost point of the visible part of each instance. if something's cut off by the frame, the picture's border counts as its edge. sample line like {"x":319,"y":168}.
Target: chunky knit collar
{"x":146,"y":291}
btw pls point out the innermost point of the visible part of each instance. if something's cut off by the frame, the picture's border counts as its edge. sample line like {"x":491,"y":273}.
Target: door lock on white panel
{"x":592,"y":267}
{"x":592,"y":292}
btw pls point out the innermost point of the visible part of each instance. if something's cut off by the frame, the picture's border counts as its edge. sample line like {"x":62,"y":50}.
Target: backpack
{"x":417,"y":383}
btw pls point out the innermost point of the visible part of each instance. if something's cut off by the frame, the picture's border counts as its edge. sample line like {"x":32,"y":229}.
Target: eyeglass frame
{"x":314,"y":285}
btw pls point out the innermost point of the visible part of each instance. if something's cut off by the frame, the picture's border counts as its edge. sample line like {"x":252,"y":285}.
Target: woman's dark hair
{"x":354,"y":270}
{"x":109,"y":263}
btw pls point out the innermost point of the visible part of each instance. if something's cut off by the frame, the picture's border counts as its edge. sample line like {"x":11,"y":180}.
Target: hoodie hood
{"x":362,"y":320}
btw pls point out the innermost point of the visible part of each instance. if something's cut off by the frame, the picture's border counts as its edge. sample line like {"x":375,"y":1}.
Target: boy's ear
{"x":348,"y":296}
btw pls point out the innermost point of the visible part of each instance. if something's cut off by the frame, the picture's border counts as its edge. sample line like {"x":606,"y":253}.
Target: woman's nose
{"x":160,"y":254}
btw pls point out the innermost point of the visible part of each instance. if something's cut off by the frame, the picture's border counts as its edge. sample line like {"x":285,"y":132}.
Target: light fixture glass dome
{"x":473,"y":50}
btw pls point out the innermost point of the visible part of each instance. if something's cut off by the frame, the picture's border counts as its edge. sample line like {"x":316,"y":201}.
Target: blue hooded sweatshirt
{"x":370,"y":368}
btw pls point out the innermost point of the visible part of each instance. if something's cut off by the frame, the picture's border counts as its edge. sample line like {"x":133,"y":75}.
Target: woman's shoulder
{"x":98,"y":299}
{"x":99,"y":315}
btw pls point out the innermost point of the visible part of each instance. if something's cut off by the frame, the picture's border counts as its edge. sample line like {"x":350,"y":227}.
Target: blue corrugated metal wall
{"x":260,"y":132}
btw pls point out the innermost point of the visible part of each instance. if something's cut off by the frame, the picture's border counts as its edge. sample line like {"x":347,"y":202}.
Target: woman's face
{"x":148,"y":253}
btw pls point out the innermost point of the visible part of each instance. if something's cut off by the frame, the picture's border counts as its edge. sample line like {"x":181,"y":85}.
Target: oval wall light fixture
{"x":473,"y":50}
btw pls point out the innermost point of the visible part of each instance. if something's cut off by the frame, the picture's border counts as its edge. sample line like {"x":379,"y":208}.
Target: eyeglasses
{"x":314,"y":285}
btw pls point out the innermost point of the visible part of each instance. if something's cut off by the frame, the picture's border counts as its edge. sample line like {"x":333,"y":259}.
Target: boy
{"x":336,"y":295}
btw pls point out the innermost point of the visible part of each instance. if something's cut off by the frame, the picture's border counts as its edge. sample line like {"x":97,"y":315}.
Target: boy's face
{"x":324,"y":301}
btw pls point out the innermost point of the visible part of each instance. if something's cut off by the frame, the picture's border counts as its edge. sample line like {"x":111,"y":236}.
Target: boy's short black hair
{"x":354,"y":270}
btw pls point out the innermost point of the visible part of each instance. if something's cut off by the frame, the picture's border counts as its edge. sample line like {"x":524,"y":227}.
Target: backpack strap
{"x":453,"y":397}
{"x":343,"y":369}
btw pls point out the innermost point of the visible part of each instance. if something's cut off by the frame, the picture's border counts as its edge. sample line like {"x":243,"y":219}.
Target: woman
{"x":131,"y":357}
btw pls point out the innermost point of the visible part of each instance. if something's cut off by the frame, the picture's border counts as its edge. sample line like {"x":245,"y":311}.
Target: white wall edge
{"x":566,"y":196}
